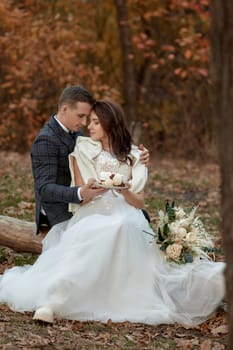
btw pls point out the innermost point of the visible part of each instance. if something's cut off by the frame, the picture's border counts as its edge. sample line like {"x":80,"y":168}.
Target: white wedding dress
{"x":100,"y":265}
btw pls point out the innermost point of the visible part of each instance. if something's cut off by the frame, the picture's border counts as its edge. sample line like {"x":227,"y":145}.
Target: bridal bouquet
{"x":182,"y":235}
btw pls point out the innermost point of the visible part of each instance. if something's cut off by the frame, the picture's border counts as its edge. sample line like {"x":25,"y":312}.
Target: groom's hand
{"x":88,"y":191}
{"x":145,"y":155}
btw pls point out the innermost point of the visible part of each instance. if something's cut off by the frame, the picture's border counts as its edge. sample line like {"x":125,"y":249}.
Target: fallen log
{"x":19,"y":235}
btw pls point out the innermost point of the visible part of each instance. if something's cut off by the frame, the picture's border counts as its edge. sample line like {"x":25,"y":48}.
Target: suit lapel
{"x":64,"y":137}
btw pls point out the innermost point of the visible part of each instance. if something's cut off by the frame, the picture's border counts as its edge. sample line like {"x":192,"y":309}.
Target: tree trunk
{"x":19,"y":235}
{"x":222,"y":69}
{"x":128,"y":65}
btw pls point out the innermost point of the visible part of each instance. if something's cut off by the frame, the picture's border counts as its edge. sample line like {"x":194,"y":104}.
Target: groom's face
{"x":75,"y":117}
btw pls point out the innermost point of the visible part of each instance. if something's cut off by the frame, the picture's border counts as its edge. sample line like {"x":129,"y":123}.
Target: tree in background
{"x":222,"y":64}
{"x":150,"y":56}
{"x":45,"y":46}
{"x":171,"y":53}
{"x":129,"y":87}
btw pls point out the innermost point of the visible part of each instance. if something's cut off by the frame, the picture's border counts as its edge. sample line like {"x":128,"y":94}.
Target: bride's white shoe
{"x":44,"y":314}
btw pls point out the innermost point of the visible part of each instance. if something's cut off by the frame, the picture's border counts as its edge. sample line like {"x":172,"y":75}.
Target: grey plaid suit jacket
{"x":50,"y":167}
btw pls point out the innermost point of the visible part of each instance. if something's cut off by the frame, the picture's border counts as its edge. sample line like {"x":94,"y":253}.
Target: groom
{"x":50,"y":164}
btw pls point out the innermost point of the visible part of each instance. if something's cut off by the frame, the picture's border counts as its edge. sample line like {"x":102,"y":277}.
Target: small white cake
{"x":108,"y":182}
{"x":117,"y":179}
{"x":109,"y":179}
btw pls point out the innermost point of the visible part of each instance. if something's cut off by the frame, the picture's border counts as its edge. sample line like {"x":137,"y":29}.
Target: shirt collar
{"x":62,"y":126}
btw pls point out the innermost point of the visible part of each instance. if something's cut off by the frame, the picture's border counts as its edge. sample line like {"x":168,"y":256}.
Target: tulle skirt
{"x":101,"y":265}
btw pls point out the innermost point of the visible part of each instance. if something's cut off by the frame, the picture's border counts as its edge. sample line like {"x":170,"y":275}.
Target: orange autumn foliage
{"x":45,"y":46}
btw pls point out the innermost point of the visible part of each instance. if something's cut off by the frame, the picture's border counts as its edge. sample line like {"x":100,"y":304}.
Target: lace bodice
{"x":106,"y":162}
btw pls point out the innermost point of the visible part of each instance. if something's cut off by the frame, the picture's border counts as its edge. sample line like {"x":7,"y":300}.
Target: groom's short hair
{"x":73,"y":94}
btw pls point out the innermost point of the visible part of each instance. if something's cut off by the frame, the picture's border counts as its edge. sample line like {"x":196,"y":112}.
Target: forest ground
{"x":188,"y":183}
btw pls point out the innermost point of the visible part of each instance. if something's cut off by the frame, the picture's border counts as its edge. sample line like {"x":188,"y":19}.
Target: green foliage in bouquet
{"x":170,"y":210}
{"x":182,"y":236}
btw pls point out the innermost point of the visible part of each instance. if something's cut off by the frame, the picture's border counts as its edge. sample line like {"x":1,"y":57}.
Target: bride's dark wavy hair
{"x":112,"y":120}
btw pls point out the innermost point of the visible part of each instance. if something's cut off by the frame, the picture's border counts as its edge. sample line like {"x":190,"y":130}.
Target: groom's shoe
{"x":43,"y":314}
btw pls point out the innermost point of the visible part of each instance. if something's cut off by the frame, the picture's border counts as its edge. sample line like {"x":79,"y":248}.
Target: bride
{"x":100,"y":264}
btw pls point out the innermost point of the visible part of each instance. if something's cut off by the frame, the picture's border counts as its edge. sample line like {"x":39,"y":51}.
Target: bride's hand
{"x":145,"y":155}
{"x":88,"y":191}
{"x":124,"y":190}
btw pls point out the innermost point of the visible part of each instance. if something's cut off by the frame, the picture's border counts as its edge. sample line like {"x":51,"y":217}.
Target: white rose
{"x":180,"y":235}
{"x":173,"y":251}
{"x":174,"y":227}
{"x":182,"y":232}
